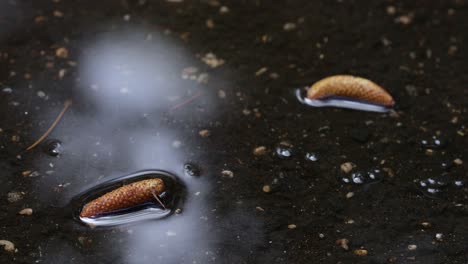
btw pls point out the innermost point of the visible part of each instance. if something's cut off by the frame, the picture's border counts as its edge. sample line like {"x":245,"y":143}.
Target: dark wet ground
{"x":138,"y":105}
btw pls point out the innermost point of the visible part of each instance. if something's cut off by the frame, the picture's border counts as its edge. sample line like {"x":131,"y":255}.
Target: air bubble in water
{"x":434,"y":142}
{"x":435,"y":187}
{"x":360,"y":177}
{"x":191,"y":170}
{"x":311,"y":156}
{"x":284,"y":150}
{"x":53,"y":147}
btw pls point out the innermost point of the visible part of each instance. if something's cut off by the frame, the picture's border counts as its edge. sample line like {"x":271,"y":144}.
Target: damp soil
{"x":249,"y":204}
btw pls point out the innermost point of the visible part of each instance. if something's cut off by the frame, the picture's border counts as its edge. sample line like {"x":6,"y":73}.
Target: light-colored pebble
{"x":360,"y":252}
{"x":426,"y":225}
{"x":292,"y":226}
{"x":26,"y":211}
{"x":343,"y":242}
{"x":227,"y":173}
{"x":209,"y":23}
{"x":347,"y":167}
{"x":211,"y":60}
{"x":204,"y":133}
{"x":412,"y":247}
{"x":259,"y":151}
{"x":7,"y":245}
{"x":223,"y":10}
{"x":289,"y":26}
{"x":61,"y":52}
{"x":266,"y":188}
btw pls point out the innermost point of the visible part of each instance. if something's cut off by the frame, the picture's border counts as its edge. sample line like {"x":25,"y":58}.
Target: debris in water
{"x":348,"y":91}
{"x":66,"y":105}
{"x":124,"y":197}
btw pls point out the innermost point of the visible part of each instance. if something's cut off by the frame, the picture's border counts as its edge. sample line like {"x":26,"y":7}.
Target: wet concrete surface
{"x":159,"y":84}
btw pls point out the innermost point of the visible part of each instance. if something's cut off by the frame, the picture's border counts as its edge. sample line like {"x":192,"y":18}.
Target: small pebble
{"x":7,"y":90}
{"x":458,"y":161}
{"x":58,"y":13}
{"x":260,"y":209}
{"x":349,"y":195}
{"x":221,"y":94}
{"x":259,"y":151}
{"x":261,"y":71}
{"x":429,"y":152}
{"x":41,"y":94}
{"x":289,"y":26}
{"x":391,"y":10}
{"x":360,"y":252}
{"x":223,"y":10}
{"x":227,"y":173}
{"x":292,"y":226}
{"x":412,"y":247}
{"x":439,"y":237}
{"x":211,"y":60}
{"x":343,"y":242}
{"x":14,"y":197}
{"x":266,"y":188}
{"x":426,"y":225}
{"x":204,"y":133}
{"x":7,"y":245}
{"x":178,"y":211}
{"x":61,"y":53}
{"x":404,"y":19}
{"x":26,"y":211}
{"x":209,"y":23}
{"x":347,"y":167}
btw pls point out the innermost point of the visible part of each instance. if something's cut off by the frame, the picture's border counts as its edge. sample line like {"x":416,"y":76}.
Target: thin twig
{"x":66,"y":105}
{"x":157,"y":199}
{"x":186,"y":101}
